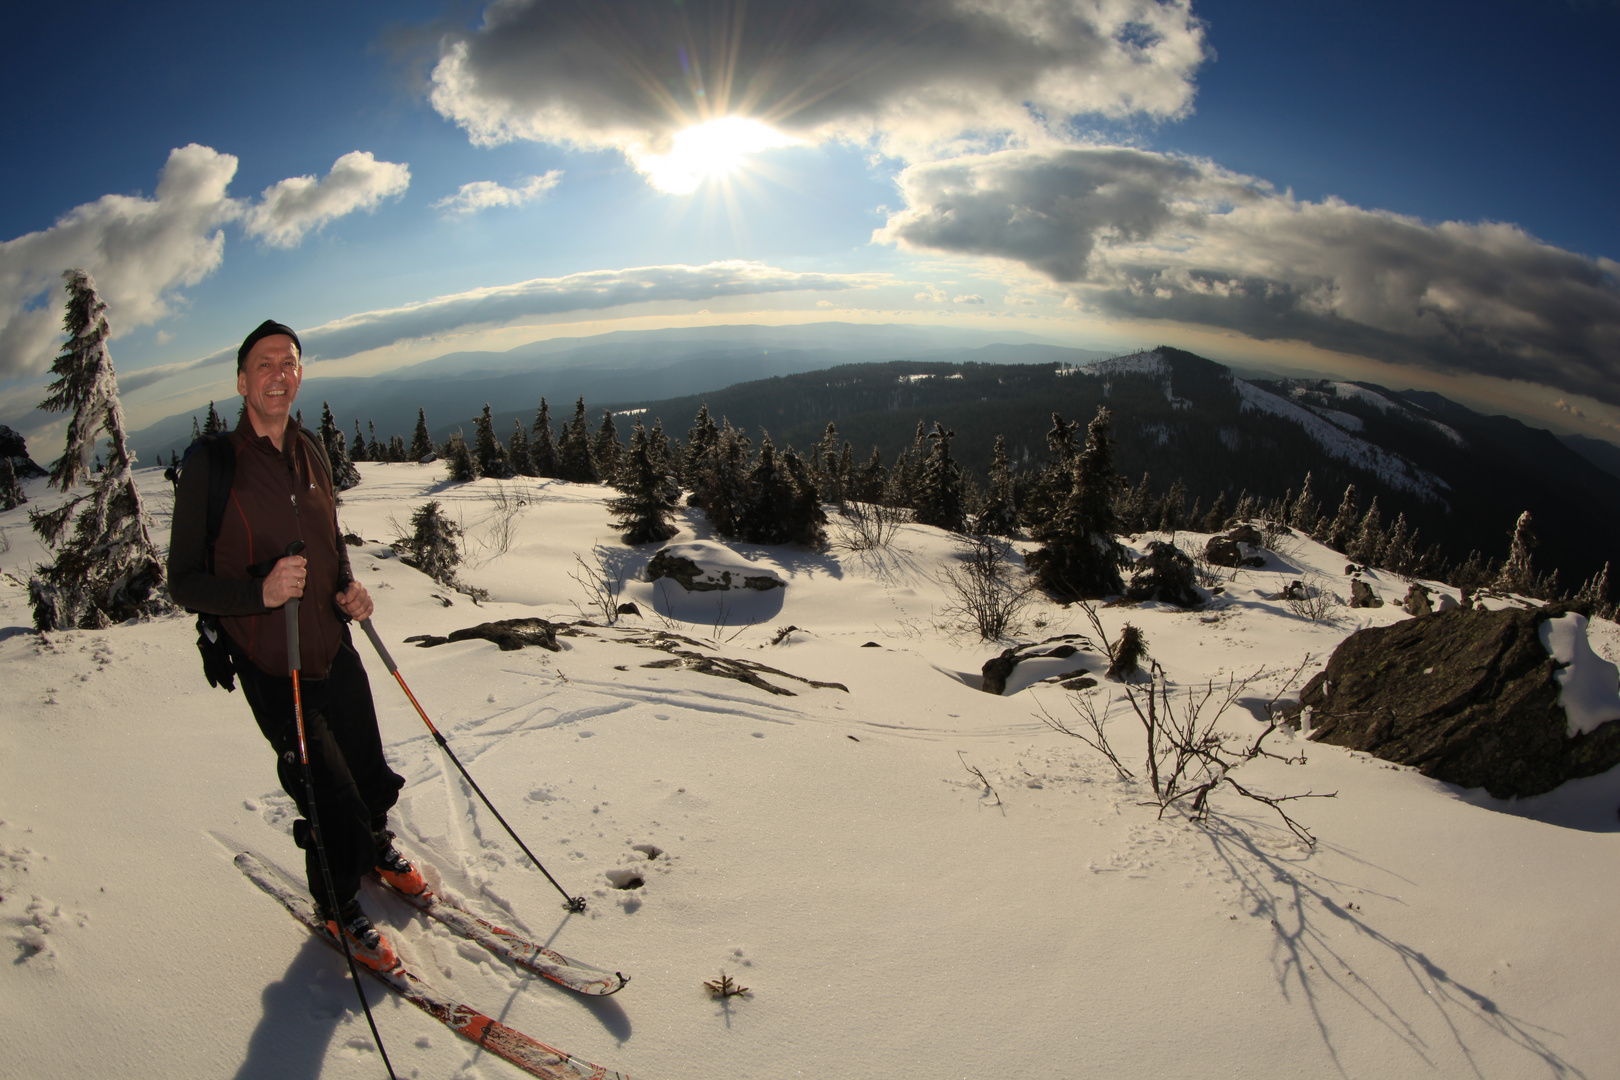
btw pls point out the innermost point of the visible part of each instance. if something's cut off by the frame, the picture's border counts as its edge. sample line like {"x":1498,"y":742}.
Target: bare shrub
{"x":499,"y":529}
{"x":1311,"y":599}
{"x":1187,"y":759}
{"x":603,"y":586}
{"x":985,"y":596}
{"x":862,"y":526}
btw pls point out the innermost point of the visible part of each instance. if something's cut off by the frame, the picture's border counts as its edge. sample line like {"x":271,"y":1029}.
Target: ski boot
{"x":366,"y":942}
{"x":395,"y":869}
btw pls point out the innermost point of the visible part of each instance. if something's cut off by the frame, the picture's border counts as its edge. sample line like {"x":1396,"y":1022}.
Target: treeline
{"x":1073,"y":502}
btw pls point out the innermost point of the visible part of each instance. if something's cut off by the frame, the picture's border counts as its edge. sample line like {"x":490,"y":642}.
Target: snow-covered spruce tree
{"x":543,"y":443}
{"x":1594,"y":596}
{"x":650,"y":497}
{"x":421,"y":442}
{"x":1399,"y":554}
{"x":665,"y":455}
{"x":1517,"y":575}
{"x":1307,"y":510}
{"x":11,"y":492}
{"x":1173,"y":507}
{"x":1340,"y":533}
{"x":701,"y":440}
{"x":574,"y":461}
{"x":344,"y":474}
{"x":396,"y":449}
{"x":999,"y":514}
{"x":806,"y":521}
{"x":1215,"y":520}
{"x":214,"y":424}
{"x":827,"y":474}
{"x":726,"y":493}
{"x":517,"y":451}
{"x":1079,"y":556}
{"x":109,"y":570}
{"x":871,"y":478}
{"x":458,"y":459}
{"x":487,"y":449}
{"x":937,"y":500}
{"x":433,"y":546}
{"x":606,"y":448}
{"x":770,"y":495}
{"x":359,"y":450}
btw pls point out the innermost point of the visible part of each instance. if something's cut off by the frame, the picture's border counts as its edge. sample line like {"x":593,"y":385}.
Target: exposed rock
{"x":1165,"y":573}
{"x":693,"y":578}
{"x":1235,"y":548}
{"x":1245,"y":534}
{"x":509,"y":634}
{"x":1417,"y":600}
{"x":15,"y":447}
{"x":1363,"y":595}
{"x":628,"y":609}
{"x":353,"y":539}
{"x":997,"y":669}
{"x":1295,"y":590}
{"x":1467,"y":697}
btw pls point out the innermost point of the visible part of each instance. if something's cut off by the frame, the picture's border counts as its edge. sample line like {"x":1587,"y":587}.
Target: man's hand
{"x":285,"y":581}
{"x":355,"y":602}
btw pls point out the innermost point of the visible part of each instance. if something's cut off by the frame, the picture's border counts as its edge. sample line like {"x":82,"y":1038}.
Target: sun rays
{"x":715,"y":149}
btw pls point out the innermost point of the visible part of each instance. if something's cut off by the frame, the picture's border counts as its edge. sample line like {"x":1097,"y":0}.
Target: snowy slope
{"x":830,"y":849}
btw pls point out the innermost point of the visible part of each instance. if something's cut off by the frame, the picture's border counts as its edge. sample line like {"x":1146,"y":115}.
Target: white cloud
{"x":588,"y":291}
{"x":1150,"y":236}
{"x":142,"y":251}
{"x":139,"y":250}
{"x":487,"y":194}
{"x":970,"y":298}
{"x":907,"y":74}
{"x":291,"y":208}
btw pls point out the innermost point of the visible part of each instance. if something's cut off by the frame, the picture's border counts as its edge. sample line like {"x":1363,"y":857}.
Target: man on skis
{"x":281,"y":492}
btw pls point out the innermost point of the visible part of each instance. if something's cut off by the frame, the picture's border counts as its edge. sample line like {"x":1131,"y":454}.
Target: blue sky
{"x":1417,"y":194}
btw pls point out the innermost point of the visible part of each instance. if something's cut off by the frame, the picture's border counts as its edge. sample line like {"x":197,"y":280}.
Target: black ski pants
{"x":354,"y":787}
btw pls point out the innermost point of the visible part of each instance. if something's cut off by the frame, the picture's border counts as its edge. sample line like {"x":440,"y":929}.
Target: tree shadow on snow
{"x":1311,"y":965}
{"x":302,"y":1011}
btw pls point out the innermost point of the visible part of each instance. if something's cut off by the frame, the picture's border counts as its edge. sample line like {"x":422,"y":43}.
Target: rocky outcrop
{"x":1364,"y":595}
{"x":1468,"y":697}
{"x":997,"y":669}
{"x":1165,"y":573}
{"x":693,"y":578}
{"x":1235,"y":547}
{"x":15,"y":447}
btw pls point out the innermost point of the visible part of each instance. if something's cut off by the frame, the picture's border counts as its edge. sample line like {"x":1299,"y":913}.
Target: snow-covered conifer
{"x":359,"y":450}
{"x":938,"y":499}
{"x":1079,"y":556}
{"x":214,"y":424}
{"x":1215,"y":520}
{"x":1368,"y":546}
{"x":432,"y":546}
{"x":1517,"y":575}
{"x":1341,"y":531}
{"x":651,"y":496}
{"x":458,"y":459}
{"x":109,"y":570}
{"x":344,"y":474}
{"x":487,"y":449}
{"x":998,"y":516}
{"x":543,"y":443}
{"x":1307,"y":510}
{"x":11,"y":492}
{"x":421,"y":442}
{"x":517,"y":451}
{"x":574,"y":460}
{"x":606,"y":448}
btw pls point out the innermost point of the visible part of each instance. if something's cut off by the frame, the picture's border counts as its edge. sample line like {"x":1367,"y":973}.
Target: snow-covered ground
{"x":830,"y":850}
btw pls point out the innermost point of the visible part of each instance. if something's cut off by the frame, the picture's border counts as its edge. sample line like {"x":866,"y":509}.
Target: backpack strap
{"x":221,"y":475}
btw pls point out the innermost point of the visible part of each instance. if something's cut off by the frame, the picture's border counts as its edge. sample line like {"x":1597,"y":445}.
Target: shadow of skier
{"x":302,"y":1011}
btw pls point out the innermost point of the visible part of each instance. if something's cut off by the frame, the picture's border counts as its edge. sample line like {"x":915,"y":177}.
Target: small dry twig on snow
{"x":725,"y":987}
{"x":974,"y":769}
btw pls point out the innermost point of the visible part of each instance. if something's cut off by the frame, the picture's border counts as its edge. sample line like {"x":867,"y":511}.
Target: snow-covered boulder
{"x":1513,"y":701}
{"x":701,"y":566}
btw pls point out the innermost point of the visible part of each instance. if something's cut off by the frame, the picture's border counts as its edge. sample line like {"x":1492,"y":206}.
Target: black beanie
{"x":268,"y":328}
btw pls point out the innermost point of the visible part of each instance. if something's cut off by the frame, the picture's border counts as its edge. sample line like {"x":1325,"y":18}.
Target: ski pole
{"x":575,"y":903}
{"x":294,"y":663}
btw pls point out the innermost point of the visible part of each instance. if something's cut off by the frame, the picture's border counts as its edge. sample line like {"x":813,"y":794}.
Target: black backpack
{"x":218,"y":667}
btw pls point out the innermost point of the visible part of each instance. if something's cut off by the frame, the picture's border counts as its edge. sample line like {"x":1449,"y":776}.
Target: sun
{"x":714,"y":149}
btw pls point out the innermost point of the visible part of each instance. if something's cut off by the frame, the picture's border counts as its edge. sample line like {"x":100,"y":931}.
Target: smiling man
{"x":225,"y":560}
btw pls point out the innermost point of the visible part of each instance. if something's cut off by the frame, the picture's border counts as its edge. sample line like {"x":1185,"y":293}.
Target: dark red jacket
{"x":277,"y":496}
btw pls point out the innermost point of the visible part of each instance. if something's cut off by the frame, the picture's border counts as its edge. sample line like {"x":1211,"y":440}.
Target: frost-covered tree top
{"x":86,"y":386}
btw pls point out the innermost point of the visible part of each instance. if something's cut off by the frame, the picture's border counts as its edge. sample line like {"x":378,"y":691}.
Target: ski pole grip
{"x":376,"y":643}
{"x":294,"y":659}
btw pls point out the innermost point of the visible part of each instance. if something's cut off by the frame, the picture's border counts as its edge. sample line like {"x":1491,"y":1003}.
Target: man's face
{"x":269,"y":380}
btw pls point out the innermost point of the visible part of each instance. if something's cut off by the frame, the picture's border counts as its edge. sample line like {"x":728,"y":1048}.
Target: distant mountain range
{"x":607,"y":370}
{"x":1463,"y":478}
{"x":1460,"y":476}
